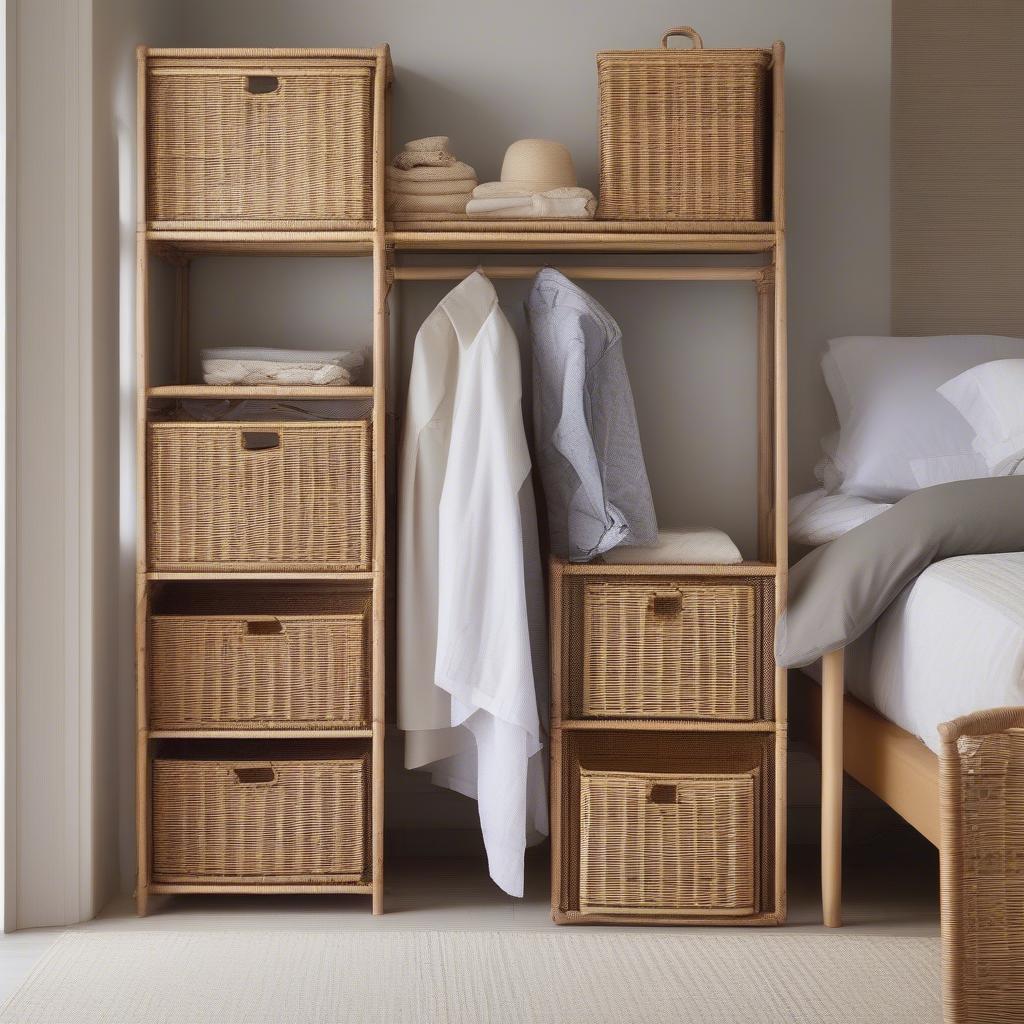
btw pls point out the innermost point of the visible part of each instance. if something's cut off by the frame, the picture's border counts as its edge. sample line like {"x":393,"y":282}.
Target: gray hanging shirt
{"x":586,"y":434}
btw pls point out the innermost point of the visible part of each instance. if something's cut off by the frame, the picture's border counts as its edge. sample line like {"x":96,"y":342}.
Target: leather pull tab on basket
{"x":264,"y":627}
{"x":662,"y":793}
{"x":670,"y":603}
{"x":260,"y":440}
{"x":683,"y":30}
{"x":262,"y":85}
{"x":257,"y":775}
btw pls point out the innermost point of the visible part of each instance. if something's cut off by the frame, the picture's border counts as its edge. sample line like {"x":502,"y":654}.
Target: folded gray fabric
{"x":586,"y":435}
{"x":839,"y":590}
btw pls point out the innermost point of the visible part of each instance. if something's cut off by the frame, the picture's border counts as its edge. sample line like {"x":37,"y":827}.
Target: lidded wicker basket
{"x":683,"y":132}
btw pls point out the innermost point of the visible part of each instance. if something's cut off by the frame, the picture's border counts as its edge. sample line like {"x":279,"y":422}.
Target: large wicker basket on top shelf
{"x":243,"y":143}
{"x":684,"y":133}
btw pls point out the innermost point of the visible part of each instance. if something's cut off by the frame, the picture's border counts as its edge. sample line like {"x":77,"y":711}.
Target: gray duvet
{"x":840,"y":589}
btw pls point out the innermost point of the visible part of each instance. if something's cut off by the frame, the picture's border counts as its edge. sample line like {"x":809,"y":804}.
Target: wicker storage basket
{"x":238,"y":144}
{"x":671,"y":843}
{"x":287,"y":671}
{"x":259,"y":496}
{"x":683,"y":133}
{"x":982,"y":861}
{"x":297,"y":822}
{"x":699,"y":850}
{"x":672,"y":648}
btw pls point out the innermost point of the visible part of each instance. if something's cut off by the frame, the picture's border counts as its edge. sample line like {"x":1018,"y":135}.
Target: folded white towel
{"x":679,"y":547}
{"x":454,"y":172}
{"x":538,"y":205}
{"x":454,"y":203}
{"x":507,"y":190}
{"x":455,"y":186}
{"x":278,"y":366}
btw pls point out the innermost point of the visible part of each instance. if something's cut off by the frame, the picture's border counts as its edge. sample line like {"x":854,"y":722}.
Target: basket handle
{"x":665,"y":602}
{"x":260,"y":440}
{"x":683,"y":30}
{"x":261,"y":774}
{"x":262,"y":85}
{"x":662,"y":793}
{"x":264,"y":627}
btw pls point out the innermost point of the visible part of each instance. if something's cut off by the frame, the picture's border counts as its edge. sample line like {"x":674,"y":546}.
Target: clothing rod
{"x":586,"y":273}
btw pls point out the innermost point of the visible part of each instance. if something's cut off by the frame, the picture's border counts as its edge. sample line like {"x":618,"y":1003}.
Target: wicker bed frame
{"x":968,"y":801}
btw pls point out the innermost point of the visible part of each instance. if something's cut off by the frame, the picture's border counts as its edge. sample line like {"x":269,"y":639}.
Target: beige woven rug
{"x":626,"y":977}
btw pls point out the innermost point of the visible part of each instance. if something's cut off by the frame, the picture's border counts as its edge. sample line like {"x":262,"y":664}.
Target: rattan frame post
{"x":177,"y":243}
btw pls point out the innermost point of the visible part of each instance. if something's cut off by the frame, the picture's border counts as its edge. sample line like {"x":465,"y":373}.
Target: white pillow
{"x":816,"y":517}
{"x":691,"y":546}
{"x":897,"y":434}
{"x":991,"y":398}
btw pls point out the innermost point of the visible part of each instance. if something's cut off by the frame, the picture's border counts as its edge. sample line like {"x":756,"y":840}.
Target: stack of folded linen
{"x":497,"y":200}
{"x":254,"y":366}
{"x":538,"y":180}
{"x":426,"y":182}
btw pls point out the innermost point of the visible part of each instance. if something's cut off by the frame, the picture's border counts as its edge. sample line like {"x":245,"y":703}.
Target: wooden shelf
{"x":342,"y":889}
{"x":261,"y":734}
{"x":693,"y":569}
{"x":584,"y":237}
{"x":594,"y":236}
{"x":663,"y":725}
{"x":362,"y":574}
{"x":179,"y":243}
{"x":260,"y":391}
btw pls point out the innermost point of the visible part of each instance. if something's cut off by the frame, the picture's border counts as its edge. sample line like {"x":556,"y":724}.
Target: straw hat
{"x":538,"y":165}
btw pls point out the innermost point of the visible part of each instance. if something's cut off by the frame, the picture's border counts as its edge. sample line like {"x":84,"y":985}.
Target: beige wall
{"x":958,"y":167}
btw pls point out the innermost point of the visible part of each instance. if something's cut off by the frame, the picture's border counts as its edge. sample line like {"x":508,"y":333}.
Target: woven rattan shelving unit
{"x":289,"y":757}
{"x":685,"y":709}
{"x":757,"y":737}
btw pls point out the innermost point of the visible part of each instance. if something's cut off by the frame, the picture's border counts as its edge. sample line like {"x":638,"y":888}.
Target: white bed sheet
{"x":952,"y":643}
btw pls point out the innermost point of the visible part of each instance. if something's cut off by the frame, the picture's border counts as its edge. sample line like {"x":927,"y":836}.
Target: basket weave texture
{"x":220,"y":153}
{"x":259,"y":496}
{"x":670,"y":649}
{"x":260,"y":672}
{"x":982,"y":794}
{"x":667,"y":827}
{"x":683,"y":133}
{"x":667,"y":842}
{"x":289,"y":821}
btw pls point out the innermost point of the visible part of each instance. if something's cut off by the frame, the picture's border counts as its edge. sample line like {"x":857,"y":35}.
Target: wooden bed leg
{"x":832,"y":788}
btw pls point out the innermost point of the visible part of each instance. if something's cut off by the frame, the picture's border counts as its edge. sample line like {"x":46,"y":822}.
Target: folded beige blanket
{"x":434,"y":204}
{"x":430,"y":152}
{"x":432,"y":188}
{"x":453,"y":172}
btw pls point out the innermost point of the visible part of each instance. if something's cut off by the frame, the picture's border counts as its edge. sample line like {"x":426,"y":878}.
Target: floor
{"x":890,"y":887}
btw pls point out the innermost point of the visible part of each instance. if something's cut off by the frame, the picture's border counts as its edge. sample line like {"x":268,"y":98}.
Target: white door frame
{"x":49,"y":682}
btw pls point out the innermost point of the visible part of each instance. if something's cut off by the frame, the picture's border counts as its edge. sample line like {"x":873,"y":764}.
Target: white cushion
{"x":990,"y":398}
{"x":816,"y":517}
{"x":897,"y":434}
{"x":688,"y":546}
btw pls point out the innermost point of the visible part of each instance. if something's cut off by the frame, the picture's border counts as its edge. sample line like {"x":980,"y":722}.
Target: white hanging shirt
{"x":471,"y":619}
